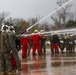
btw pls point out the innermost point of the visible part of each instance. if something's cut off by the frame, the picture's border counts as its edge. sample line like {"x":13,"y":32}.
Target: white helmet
{"x":3,"y":27}
{"x":11,"y":28}
{"x":42,"y":30}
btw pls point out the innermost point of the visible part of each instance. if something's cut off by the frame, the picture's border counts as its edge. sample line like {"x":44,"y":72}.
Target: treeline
{"x":21,"y":24}
{"x":71,"y":24}
{"x":64,"y":18}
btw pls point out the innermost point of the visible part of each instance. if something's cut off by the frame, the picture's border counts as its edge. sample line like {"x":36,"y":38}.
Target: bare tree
{"x":71,"y":16}
{"x":57,"y":22}
{"x":3,"y":16}
{"x":61,"y":17}
{"x":32,"y":21}
{"x":44,"y":26}
{"x":19,"y":24}
{"x":15,"y":21}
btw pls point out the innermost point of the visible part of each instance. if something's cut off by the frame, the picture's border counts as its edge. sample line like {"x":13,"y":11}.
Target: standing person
{"x":29,"y":46}
{"x":67,"y":43}
{"x":62,"y":44}
{"x":42,"y":44}
{"x":12,"y":39}
{"x":71,"y":44}
{"x":24,"y":42}
{"x":36,"y":42}
{"x":5,"y":53}
{"x":55,"y":42}
{"x":18,"y":44}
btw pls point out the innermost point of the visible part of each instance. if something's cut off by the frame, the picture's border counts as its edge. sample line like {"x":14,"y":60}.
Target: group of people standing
{"x":57,"y":43}
{"x":62,"y":42}
{"x":8,"y":53}
{"x":11,"y":44}
{"x":35,"y":41}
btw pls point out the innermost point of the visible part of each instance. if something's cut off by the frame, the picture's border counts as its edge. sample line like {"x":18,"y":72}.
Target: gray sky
{"x":28,"y":8}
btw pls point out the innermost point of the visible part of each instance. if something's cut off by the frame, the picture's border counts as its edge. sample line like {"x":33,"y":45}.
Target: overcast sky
{"x":29,"y":8}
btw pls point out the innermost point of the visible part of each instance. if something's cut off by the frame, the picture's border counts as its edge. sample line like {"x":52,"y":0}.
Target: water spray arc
{"x":49,"y":14}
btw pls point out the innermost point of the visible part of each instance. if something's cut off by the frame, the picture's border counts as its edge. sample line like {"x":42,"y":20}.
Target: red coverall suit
{"x":13,"y":61}
{"x":54,"y":43}
{"x":36,"y":43}
{"x":24,"y":42}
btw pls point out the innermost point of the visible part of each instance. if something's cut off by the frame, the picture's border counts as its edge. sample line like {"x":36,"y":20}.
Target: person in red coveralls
{"x":24,"y":42}
{"x":36,"y":42}
{"x":55,"y":42}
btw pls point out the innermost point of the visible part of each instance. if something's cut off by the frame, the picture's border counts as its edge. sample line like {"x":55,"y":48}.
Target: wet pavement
{"x":49,"y":64}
